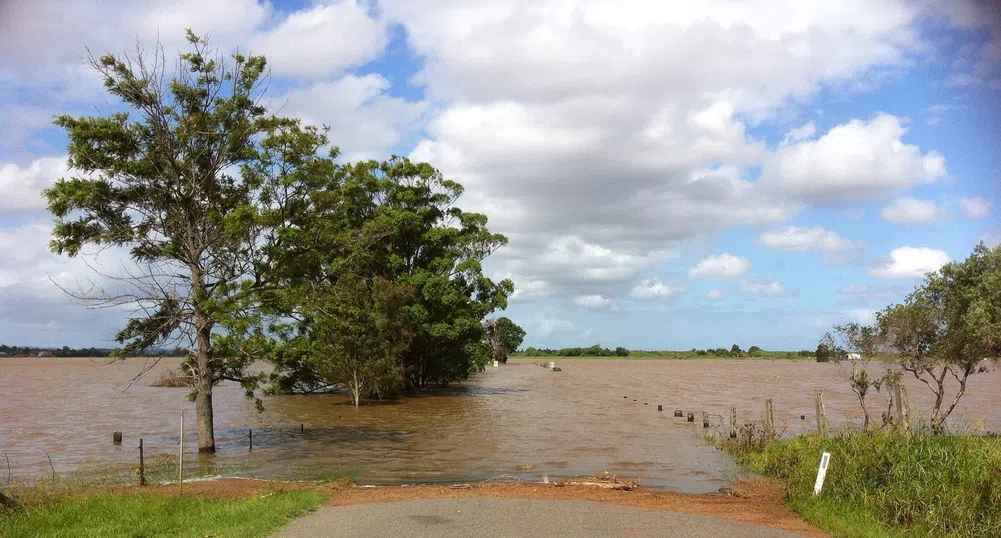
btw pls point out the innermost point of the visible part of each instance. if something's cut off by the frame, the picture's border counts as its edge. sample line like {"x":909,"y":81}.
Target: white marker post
{"x":825,"y":460}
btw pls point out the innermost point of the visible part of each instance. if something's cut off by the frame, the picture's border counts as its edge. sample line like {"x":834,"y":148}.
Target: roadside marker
{"x":822,"y":472}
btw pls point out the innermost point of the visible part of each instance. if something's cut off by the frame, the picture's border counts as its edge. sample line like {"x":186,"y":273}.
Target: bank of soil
{"x":756,"y":501}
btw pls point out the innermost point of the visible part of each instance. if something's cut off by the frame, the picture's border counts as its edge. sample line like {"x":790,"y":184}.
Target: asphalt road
{"x":493,"y":517}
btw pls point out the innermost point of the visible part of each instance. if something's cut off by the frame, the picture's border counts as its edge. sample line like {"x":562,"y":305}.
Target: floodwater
{"x":517,"y":420}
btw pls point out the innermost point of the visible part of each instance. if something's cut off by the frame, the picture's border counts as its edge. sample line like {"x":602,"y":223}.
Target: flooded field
{"x":518,"y":420}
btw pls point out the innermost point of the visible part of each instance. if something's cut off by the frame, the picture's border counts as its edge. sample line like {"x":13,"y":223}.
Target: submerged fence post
{"x":705,"y":419}
{"x":733,"y":423}
{"x":769,"y":418}
{"x":821,"y":413}
{"x":250,"y":435}
{"x":8,"y":467}
{"x":142,"y":465}
{"x":116,"y":438}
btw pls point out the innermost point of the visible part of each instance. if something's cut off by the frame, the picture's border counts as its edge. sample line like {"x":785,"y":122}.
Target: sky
{"x":670,"y":174}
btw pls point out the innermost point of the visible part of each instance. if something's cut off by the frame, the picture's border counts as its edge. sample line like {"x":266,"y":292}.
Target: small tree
{"x":858,"y":344}
{"x":754,"y":349}
{"x":735,"y":350}
{"x":948,"y":327}
{"x":824,"y":353}
{"x":504,"y":336}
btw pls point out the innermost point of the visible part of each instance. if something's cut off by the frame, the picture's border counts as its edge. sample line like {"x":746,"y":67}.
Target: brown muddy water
{"x":517,"y":420}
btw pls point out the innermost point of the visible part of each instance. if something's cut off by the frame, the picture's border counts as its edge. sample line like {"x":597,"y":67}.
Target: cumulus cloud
{"x":364,"y":119}
{"x":762,"y":287}
{"x":594,"y":302}
{"x":323,"y":40}
{"x":653,"y":288}
{"x":975,"y":208}
{"x":907,"y":210}
{"x":855,"y":160}
{"x":722,"y":266}
{"x":816,"y":238}
{"x":22,"y":186}
{"x":910,"y":263}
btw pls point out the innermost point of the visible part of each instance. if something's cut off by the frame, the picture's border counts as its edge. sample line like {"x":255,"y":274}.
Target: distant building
{"x":44,"y":354}
{"x":2,"y":354}
{"x":854,"y":356}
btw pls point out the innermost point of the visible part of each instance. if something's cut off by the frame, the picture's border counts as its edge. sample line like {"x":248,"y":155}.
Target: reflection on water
{"x":519,"y":420}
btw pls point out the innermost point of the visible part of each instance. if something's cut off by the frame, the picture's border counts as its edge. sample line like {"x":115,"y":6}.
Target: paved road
{"x":494,"y":518}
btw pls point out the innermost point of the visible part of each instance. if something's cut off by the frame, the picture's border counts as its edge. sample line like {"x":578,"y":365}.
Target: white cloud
{"x":594,"y":302}
{"x":907,"y":210}
{"x":910,"y":262}
{"x":762,"y":287}
{"x":364,"y":119}
{"x":963,"y":79}
{"x":542,"y":326}
{"x":855,"y":289}
{"x":716,"y":294}
{"x":975,"y":208}
{"x":323,"y":40}
{"x":22,"y":186}
{"x":653,"y":288}
{"x":803,"y":132}
{"x":855,"y":160}
{"x":722,"y":266}
{"x":807,"y":239}
{"x":865,"y":316}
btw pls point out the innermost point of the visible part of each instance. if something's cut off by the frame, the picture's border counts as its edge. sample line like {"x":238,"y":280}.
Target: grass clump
{"x":883,"y":483}
{"x":107,"y":515}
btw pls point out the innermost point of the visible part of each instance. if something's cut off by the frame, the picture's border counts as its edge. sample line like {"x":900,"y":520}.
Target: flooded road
{"x":518,"y":420}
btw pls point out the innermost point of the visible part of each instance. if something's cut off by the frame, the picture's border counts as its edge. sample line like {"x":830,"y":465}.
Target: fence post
{"x":821,"y":413}
{"x":180,"y":455}
{"x":8,"y":467}
{"x":142,"y":465}
{"x":250,"y":435}
{"x":705,"y":419}
{"x":769,"y":419}
{"x":903,"y":418}
{"x":733,"y":423}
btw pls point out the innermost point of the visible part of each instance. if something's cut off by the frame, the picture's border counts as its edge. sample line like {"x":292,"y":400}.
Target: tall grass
{"x":883,"y":483}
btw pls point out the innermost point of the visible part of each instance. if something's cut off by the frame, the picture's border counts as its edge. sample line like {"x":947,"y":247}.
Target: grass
{"x":133,"y":515}
{"x":886,"y":484}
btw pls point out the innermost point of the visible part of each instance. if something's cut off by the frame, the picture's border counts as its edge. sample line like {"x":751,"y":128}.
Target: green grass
{"x":147,"y":516}
{"x":885,"y":484}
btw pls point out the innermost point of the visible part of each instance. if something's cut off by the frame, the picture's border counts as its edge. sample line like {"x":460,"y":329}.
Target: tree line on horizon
{"x":66,"y":351}
{"x":252,"y":241}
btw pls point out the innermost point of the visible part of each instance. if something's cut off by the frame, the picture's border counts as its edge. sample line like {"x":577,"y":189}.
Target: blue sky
{"x":670,"y":175}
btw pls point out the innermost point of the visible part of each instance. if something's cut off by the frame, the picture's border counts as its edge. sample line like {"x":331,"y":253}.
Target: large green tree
{"x":396,"y":221}
{"x":177,"y":179}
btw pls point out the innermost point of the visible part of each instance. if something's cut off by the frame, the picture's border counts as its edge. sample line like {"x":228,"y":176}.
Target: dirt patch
{"x":757,"y":501}
{"x":754,"y":501}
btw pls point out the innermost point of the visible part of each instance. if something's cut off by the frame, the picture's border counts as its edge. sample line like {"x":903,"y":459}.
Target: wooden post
{"x":53,"y":467}
{"x":116,"y":437}
{"x":142,"y":465}
{"x":8,"y":467}
{"x":769,"y":419}
{"x":302,"y":428}
{"x":691,"y":417}
{"x":733,"y":423}
{"x":250,"y":435}
{"x":900,"y":397}
{"x":705,"y":419}
{"x":821,"y":413}
{"x":180,"y":455}
{"x":678,"y":413}
{"x":660,"y":408}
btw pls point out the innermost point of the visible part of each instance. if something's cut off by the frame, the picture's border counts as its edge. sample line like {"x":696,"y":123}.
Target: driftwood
{"x":603,"y":480}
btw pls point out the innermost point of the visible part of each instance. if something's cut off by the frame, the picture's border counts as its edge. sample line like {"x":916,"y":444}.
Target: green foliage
{"x":395,"y":221}
{"x":927,"y":485}
{"x":115,"y":515}
{"x":504,"y":337}
{"x":824,"y":353}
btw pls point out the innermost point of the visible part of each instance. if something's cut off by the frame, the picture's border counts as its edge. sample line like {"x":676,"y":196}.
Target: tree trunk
{"x":203,"y":384}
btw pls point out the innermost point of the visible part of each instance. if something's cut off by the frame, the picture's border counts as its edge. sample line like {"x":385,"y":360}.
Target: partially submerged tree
{"x":857,"y":344}
{"x":504,"y":336}
{"x":170,"y":181}
{"x":949,"y":327}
